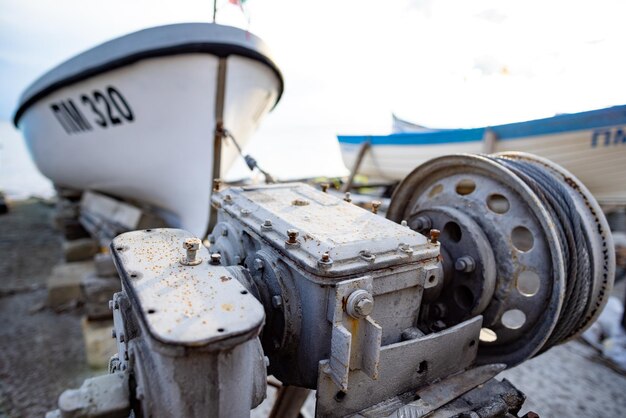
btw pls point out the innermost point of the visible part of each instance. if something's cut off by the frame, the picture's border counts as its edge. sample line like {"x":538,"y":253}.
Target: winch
{"x":483,"y":262}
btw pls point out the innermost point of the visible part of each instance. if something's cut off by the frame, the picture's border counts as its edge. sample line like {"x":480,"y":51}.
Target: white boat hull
{"x":597,"y":156}
{"x":145,"y":131}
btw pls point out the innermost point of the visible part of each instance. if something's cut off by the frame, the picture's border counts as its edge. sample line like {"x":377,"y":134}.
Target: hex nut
{"x":277,"y":301}
{"x":258,"y":264}
{"x":465,"y":264}
{"x":375,"y":205}
{"x":423,"y":222}
{"x":292,"y":236}
{"x":434,"y":236}
{"x":360,"y":304}
{"x":191,"y":246}
{"x":216,"y":259}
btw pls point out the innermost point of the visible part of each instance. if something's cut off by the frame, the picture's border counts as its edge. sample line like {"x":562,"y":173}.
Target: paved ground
{"x":41,"y":352}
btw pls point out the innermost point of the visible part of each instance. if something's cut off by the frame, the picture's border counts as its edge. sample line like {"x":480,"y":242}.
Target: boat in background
{"x":592,"y":145}
{"x":142,"y":117}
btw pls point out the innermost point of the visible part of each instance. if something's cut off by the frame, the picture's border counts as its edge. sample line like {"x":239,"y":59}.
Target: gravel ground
{"x":42,"y":351}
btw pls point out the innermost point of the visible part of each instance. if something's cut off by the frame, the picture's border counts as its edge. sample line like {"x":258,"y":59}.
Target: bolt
{"x":325,"y":262}
{"x":122,"y":338}
{"x":266,"y":225}
{"x":191,"y":245}
{"x":211,"y":239}
{"x":423,"y":222}
{"x":375,"y":205}
{"x":110,"y":305}
{"x":228,"y":198}
{"x":360,"y":304}
{"x":216,"y":185}
{"x":405,"y":248}
{"x":404,"y":223}
{"x":292,"y":234}
{"x":113,"y":333}
{"x":347,"y":197}
{"x":258,"y":264}
{"x":245,"y":212}
{"x":225,"y":233}
{"x":364,"y":307}
{"x":324,"y":187}
{"x":367,"y":255}
{"x":434,"y":235}
{"x":466,"y":264}
{"x":216,"y":259}
{"x":277,"y":301}
{"x":300,"y":202}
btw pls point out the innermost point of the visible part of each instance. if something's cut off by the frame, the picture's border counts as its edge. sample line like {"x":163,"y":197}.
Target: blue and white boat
{"x":592,"y":145}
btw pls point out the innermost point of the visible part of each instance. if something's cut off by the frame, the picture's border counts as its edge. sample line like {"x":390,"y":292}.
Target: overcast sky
{"x":348,"y":64}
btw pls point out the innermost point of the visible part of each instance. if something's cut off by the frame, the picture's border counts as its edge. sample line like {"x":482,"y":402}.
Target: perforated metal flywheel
{"x":524,"y":244}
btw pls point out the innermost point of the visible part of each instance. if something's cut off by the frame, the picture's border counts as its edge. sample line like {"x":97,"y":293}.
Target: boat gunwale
{"x":229,"y":44}
{"x":607,"y":117}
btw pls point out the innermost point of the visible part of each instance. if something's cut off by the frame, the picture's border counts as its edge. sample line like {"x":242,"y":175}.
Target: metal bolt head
{"x":228,"y":198}
{"x":367,"y":255}
{"x":324,"y":187}
{"x":277,"y":301}
{"x":325,"y":262}
{"x":258,"y":264}
{"x":405,"y":248}
{"x":347,"y":197}
{"x":217,"y":183}
{"x":404,"y":223}
{"x":465,"y":264}
{"x":364,"y":307}
{"x":191,"y":245}
{"x":300,"y":202}
{"x":423,"y":222}
{"x":434,"y":235}
{"x":360,"y":304}
{"x":245,"y":212}
{"x":375,"y":205}
{"x":267,"y":225}
{"x":216,"y":258}
{"x":292,"y":235}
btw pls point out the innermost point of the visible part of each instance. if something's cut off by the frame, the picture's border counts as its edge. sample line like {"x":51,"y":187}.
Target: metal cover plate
{"x":183,"y":305}
{"x":325,"y":224}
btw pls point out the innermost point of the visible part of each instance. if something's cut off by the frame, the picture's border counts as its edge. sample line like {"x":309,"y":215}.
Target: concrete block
{"x":64,"y":282}
{"x":80,"y":249}
{"x":97,"y":292}
{"x":99,"y":344}
{"x":104,"y":265}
